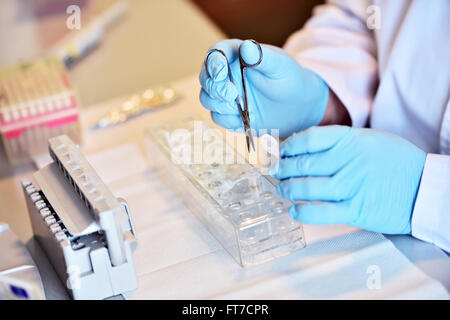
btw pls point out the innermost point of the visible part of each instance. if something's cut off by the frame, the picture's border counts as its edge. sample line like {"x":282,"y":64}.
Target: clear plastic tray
{"x":236,"y":203}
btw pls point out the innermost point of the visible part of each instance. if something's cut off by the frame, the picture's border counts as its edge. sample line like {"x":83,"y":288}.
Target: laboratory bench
{"x":177,"y":258}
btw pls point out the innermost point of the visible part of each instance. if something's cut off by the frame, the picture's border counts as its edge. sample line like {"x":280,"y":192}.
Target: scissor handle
{"x":248,"y":65}
{"x":244,"y":66}
{"x":243,"y":112}
{"x":230,"y":76}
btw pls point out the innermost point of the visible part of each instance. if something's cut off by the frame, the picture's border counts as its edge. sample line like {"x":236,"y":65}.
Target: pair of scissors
{"x":243,"y":111}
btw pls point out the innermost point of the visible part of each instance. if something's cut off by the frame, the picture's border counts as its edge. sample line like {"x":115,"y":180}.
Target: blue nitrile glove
{"x":281,"y":94}
{"x":365,"y":178}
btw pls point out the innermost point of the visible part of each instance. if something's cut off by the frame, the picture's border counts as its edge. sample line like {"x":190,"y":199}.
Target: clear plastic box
{"x":236,"y":203}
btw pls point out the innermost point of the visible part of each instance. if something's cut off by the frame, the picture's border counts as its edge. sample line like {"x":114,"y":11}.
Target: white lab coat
{"x":395,"y":78}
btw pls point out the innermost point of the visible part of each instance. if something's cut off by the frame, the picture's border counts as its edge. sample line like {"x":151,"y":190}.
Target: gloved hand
{"x":365,"y":178}
{"x":281,"y":94}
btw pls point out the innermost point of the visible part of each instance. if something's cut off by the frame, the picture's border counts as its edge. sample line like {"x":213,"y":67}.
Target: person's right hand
{"x":281,"y":94}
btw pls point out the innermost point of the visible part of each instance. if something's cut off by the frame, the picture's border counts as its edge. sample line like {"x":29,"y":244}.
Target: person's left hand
{"x":360,"y":177}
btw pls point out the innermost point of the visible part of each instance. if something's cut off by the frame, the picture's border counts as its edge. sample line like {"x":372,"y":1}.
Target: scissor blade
{"x":248,"y":143}
{"x":249,"y":138}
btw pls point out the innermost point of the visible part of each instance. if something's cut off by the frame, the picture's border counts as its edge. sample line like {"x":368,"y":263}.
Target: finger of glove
{"x":227,"y":121}
{"x":321,"y":164}
{"x":230,"y":47}
{"x":271,"y":57}
{"x":217,"y":66}
{"x":314,"y":139}
{"x":312,"y":189}
{"x":324,"y":213}
{"x":219,"y":106}
{"x":223,"y":90}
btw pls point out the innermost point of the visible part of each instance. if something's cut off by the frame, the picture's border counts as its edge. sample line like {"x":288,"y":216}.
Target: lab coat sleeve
{"x":431,"y":215}
{"x":337,"y":45}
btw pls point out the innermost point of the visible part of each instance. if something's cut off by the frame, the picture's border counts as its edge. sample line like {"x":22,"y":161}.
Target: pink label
{"x":14,"y":134}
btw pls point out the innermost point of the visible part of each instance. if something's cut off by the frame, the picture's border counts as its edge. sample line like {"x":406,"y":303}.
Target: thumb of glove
{"x":269,"y":57}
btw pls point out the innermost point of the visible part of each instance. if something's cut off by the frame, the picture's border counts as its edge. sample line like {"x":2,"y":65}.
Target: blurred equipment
{"x":85,"y":231}
{"x":137,"y":105}
{"x":82,"y":43}
{"x":37,"y":102}
{"x":19,"y":276}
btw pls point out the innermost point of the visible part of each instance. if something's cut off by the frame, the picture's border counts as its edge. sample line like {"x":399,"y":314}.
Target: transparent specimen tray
{"x":236,"y":203}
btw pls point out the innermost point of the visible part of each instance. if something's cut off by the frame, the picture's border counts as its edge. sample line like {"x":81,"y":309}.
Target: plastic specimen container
{"x":235,"y":202}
